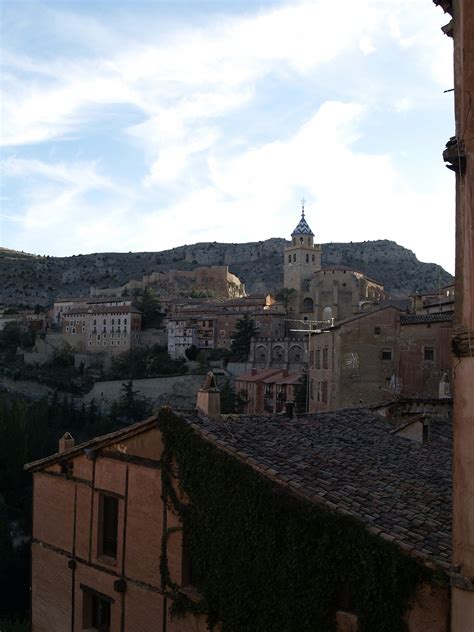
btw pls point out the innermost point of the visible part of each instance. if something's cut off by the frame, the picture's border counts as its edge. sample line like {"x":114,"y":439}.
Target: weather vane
{"x":302,"y":206}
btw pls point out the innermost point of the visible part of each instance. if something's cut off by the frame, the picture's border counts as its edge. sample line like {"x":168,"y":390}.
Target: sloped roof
{"x":302,"y":228}
{"x":349,"y":462}
{"x":93,"y":444}
{"x":420,"y":319}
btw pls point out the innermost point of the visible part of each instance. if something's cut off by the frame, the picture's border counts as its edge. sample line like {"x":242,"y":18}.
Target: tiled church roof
{"x":303,"y":227}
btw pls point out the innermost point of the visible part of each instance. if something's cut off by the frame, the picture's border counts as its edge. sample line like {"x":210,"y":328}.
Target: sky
{"x":140,"y":126}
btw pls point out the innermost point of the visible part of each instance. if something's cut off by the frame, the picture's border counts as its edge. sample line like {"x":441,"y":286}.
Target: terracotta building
{"x":97,"y":537}
{"x":267,"y":391}
{"x":108,"y":553}
{"x":459,"y":154}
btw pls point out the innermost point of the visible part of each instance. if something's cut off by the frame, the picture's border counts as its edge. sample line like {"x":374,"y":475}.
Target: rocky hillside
{"x":29,"y":279}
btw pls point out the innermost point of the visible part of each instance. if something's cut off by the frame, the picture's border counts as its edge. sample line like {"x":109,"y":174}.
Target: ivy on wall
{"x":265,"y":560}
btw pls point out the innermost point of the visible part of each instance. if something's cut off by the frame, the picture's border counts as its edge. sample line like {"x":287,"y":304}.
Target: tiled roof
{"x":96,"y":443}
{"x":349,"y":462}
{"x":302,"y":227}
{"x":259,"y":376}
{"x":416,"y":319}
{"x":117,"y":309}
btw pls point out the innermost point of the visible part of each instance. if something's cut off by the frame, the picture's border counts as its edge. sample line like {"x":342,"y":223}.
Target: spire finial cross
{"x":302,"y":206}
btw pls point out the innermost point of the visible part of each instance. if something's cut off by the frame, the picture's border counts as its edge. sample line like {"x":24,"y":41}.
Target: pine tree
{"x":242,"y":336}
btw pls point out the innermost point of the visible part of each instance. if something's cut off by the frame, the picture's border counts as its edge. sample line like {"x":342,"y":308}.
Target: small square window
{"x":428,"y":354}
{"x":386,"y":354}
{"x":377,"y":330}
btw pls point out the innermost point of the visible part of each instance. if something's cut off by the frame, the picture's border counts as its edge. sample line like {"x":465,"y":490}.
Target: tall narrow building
{"x":302,"y":257}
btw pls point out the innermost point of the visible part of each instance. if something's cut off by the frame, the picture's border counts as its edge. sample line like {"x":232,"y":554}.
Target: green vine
{"x":266,"y":560}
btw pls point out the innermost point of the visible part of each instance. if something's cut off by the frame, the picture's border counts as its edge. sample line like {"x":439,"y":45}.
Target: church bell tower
{"x":302,"y":257}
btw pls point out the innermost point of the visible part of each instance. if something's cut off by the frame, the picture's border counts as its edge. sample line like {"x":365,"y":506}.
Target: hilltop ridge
{"x":28,"y":279}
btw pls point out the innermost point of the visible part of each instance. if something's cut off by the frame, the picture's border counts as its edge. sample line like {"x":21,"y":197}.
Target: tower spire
{"x":302,"y":207}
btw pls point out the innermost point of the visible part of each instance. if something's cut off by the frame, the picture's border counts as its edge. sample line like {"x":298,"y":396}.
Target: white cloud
{"x":186,"y":86}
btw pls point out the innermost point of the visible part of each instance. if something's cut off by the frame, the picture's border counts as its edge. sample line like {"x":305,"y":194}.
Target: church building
{"x":323,"y":294}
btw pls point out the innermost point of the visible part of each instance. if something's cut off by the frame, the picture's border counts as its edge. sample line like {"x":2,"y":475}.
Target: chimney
{"x":66,"y":442}
{"x":208,"y":398}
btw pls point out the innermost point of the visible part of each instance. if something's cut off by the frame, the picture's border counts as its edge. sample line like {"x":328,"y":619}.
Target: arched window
{"x":294,"y":257}
{"x":307,"y":258}
{"x":289,"y":258}
{"x":308,"y":304}
{"x":327,"y":313}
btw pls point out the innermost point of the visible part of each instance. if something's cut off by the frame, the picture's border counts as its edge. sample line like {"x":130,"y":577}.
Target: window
{"x":96,"y":610}
{"x":324,"y":392}
{"x":428,"y":354}
{"x":327,"y":312}
{"x":294,"y":257}
{"x":318,"y":358}
{"x":307,"y":258}
{"x":108,"y":525}
{"x":377,"y":330}
{"x":289,"y":258}
{"x":312,"y":258}
{"x":325,"y":358}
{"x":386,"y":354}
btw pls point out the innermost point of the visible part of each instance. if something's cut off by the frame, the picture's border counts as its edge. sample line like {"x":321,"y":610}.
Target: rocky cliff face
{"x":28,"y":279}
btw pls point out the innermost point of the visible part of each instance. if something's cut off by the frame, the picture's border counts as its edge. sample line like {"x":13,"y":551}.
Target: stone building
{"x":381,"y":355}
{"x":302,"y":257}
{"x":210,"y":325}
{"x":110,"y":551}
{"x":212,"y":281}
{"x":181,"y":336}
{"x":356,"y":362}
{"x":102,"y":328}
{"x":425,"y":357}
{"x":322,"y":294}
{"x":279,"y":353}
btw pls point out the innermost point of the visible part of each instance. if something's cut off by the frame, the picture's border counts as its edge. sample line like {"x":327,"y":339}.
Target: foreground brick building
{"x":459,"y":154}
{"x":103,"y":536}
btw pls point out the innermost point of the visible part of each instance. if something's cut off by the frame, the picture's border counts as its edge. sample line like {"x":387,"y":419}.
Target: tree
{"x":285,"y":295}
{"x":242,"y":336}
{"x":130,"y":407}
{"x":149,"y":305}
{"x":191,"y":352}
{"x":10,"y":337}
{"x":231,"y":402}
